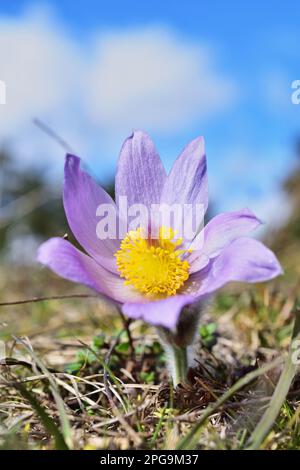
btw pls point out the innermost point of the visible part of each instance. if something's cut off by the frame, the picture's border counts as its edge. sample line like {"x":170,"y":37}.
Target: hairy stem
{"x":178,"y":363}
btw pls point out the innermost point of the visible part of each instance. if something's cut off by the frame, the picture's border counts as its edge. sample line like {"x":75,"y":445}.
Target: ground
{"x":74,"y":373}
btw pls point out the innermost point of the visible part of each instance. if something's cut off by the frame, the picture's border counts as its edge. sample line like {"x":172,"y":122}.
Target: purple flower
{"x":154,"y":280}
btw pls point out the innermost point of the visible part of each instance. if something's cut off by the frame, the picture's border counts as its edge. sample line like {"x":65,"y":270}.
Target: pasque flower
{"x":162,"y":281}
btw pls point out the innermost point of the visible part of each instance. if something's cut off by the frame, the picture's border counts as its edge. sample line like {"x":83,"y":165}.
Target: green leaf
{"x":207,"y":334}
{"x":147,"y":377}
{"x":122,"y":348}
{"x":157,"y":348}
{"x":85,"y":356}
{"x":73,"y":368}
{"x":98,"y":341}
{"x":207,"y":330}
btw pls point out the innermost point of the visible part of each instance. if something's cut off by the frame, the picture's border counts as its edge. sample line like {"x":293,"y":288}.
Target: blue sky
{"x":248,"y":56}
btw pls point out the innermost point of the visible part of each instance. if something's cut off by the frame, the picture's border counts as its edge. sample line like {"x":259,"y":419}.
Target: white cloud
{"x":151,"y":79}
{"x":147,"y":78}
{"x":38,"y":66}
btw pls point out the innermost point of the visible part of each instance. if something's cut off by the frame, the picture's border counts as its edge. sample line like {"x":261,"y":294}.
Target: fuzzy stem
{"x":179,"y":364}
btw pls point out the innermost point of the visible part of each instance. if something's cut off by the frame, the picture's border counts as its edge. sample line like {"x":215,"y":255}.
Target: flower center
{"x":153,"y":267}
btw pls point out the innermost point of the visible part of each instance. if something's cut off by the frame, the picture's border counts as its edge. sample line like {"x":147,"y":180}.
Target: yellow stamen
{"x":153,"y":267}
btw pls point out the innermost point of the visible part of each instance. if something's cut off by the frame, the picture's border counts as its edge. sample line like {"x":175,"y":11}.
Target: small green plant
{"x":86,"y":357}
{"x":208,"y":334}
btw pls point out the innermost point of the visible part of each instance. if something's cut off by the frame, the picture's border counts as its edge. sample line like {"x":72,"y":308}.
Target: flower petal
{"x":68,"y":262}
{"x":218,"y":233}
{"x":140,"y":173}
{"x":163,"y":312}
{"x":82,"y":196}
{"x":244,"y":260}
{"x":187,"y":181}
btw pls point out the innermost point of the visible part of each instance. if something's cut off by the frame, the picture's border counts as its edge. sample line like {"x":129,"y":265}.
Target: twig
{"x":52,"y":134}
{"x":43,"y":299}
{"x":106,"y":373}
{"x":135,"y":437}
{"x":11,"y":361}
{"x":24,"y":205}
{"x":126,"y":323}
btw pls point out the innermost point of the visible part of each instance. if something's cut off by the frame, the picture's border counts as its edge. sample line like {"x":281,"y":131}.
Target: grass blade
{"x":48,"y":423}
{"x":64,"y":420}
{"x":191,"y":439}
{"x":282,"y":388}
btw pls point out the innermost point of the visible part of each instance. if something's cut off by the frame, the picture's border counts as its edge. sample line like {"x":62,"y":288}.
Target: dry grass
{"x":103,"y":389}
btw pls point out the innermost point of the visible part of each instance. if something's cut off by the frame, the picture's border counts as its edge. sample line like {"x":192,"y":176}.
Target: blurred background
{"x":92,"y":71}
{"x":80,"y":76}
